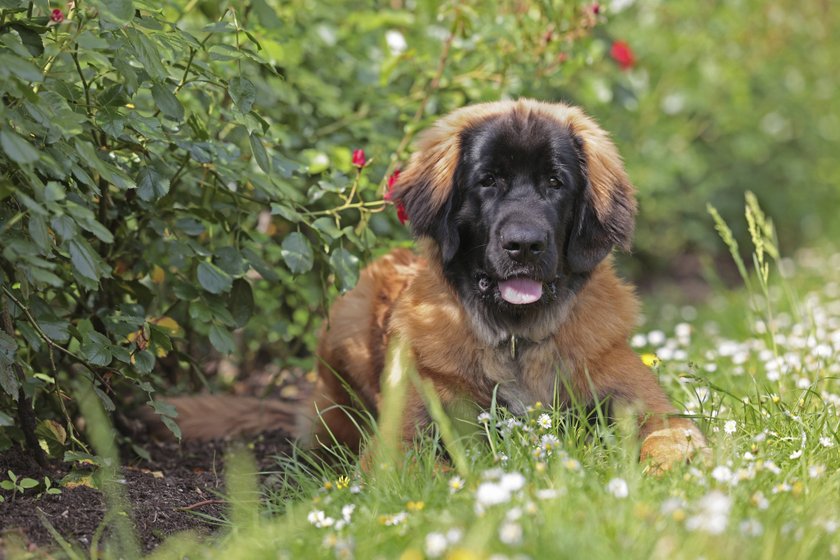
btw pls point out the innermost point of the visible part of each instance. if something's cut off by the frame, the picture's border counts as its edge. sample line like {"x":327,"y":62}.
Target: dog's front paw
{"x":665,"y":448}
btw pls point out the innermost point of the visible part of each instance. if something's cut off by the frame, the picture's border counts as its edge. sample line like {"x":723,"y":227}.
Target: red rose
{"x":402,"y":215}
{"x":596,"y":8}
{"x":57,"y":16}
{"x":623,"y":55}
{"x":359,"y":158}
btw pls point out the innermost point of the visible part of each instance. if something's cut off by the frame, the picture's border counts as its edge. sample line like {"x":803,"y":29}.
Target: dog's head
{"x":523,"y":200}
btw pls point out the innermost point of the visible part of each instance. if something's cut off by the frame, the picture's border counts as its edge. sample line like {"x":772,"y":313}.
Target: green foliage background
{"x":175,"y":173}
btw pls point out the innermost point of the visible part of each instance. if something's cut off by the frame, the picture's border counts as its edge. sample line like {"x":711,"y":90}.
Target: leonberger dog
{"x":516,"y":207}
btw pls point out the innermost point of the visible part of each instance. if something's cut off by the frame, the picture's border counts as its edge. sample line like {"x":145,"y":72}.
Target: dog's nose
{"x":523,"y":243}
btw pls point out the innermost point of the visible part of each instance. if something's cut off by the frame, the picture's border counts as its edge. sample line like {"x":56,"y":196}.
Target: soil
{"x":179,"y":489}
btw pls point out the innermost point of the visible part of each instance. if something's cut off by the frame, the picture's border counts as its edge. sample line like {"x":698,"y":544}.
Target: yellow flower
{"x":415,"y":506}
{"x":342,"y":482}
{"x":650,"y":360}
{"x":328,"y":485}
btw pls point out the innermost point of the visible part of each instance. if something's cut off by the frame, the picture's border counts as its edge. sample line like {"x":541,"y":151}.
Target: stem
{"x":26,"y":414}
{"x":432,"y":88}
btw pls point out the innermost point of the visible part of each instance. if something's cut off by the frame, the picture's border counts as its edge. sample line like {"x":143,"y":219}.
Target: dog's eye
{"x":555,"y":182}
{"x":488,"y":181}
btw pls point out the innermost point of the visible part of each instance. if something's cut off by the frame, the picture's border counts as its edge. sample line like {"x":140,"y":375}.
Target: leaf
{"x":8,"y":378}
{"x":243,"y":92}
{"x":346,"y":267}
{"x":147,"y":53}
{"x":259,"y":152}
{"x":167,"y":102}
{"x":241,"y":302}
{"x":17,"y":148}
{"x":96,"y":349}
{"x":172,"y":426}
{"x":213,"y":279}
{"x":297,"y":253}
{"x":84,"y":259}
{"x":326,"y":227}
{"x":27,"y":483}
{"x":285,"y":212}
{"x":151,"y":185}
{"x":221,"y":339}
{"x":144,"y":361}
{"x":107,"y":403}
{"x":120,"y":12}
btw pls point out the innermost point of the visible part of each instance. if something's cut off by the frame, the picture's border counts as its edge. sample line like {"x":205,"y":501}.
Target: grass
{"x":758,"y":368}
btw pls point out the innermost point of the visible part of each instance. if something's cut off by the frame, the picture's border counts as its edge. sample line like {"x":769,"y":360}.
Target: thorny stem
{"x":430,"y":90}
{"x":24,"y":407}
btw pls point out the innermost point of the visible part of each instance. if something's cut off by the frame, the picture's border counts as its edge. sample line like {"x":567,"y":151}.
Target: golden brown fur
{"x":407,"y":296}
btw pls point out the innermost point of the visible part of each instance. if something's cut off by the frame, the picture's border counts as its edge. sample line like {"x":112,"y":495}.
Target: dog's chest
{"x":525,"y":372}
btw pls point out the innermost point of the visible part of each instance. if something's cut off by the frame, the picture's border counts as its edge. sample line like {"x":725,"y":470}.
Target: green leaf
{"x":326,"y":227}
{"x":120,"y":12}
{"x":172,"y":426}
{"x":221,"y":339}
{"x":297,"y":253}
{"x":27,"y":483}
{"x":96,"y":349}
{"x":147,"y":53}
{"x":11,"y":65}
{"x":17,"y":148}
{"x":346,"y":267}
{"x":107,"y":403}
{"x":167,"y":102}
{"x":150,"y":184}
{"x":259,"y":152}
{"x":8,"y":379}
{"x":286,"y":212}
{"x":213,"y":279}
{"x":144,"y":361}
{"x":241,"y":302}
{"x":243,"y":92}
{"x":84,"y":260}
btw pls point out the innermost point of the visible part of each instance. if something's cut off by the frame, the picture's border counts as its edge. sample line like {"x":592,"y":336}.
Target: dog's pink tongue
{"x":520,"y":291}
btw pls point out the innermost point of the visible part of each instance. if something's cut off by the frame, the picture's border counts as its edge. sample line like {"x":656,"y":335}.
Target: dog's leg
{"x":666,"y":438}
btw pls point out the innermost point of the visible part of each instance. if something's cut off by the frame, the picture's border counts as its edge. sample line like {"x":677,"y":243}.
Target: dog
{"x":516,"y":207}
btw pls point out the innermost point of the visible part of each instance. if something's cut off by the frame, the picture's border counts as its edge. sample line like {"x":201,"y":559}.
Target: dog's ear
{"x":426,"y":188}
{"x":606,"y":210}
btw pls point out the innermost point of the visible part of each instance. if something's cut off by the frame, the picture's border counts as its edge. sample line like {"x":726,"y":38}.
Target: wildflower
{"x":359,"y":159}
{"x":730,"y":426}
{"x":415,"y":506}
{"x":796,"y":454}
{"x":816,"y":471}
{"x":510,"y":533}
{"x":650,"y":360}
{"x":512,"y":481}
{"x":455,"y":483}
{"x":656,"y":338}
{"x":595,"y":8}
{"x":436,"y":545}
{"x":355,"y":489}
{"x":393,"y":520}
{"x":544,"y":421}
{"x":713,"y":514}
{"x":347,"y":512}
{"x":722,"y":473}
{"x":483,"y":418}
{"x":618,"y":488}
{"x":571,"y":464}
{"x":826,"y":442}
{"x":759,"y":501}
{"x":454,"y":535}
{"x":491,"y":494}
{"x":549,"y":442}
{"x":547,"y":494}
{"x":342,"y":483}
{"x":56,"y":16}
{"x":395,"y":41}
{"x":319,"y":519}
{"x":502,"y":458}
